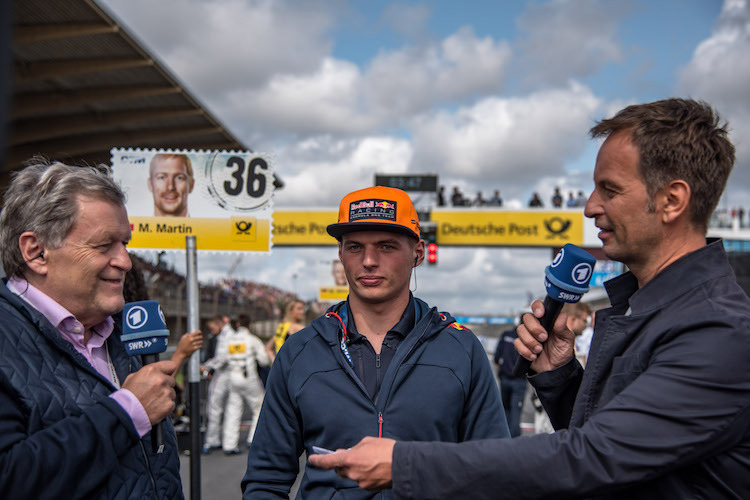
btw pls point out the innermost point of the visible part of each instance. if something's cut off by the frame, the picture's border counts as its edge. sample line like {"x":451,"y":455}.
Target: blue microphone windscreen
{"x":567,"y":278}
{"x":144,"y":330}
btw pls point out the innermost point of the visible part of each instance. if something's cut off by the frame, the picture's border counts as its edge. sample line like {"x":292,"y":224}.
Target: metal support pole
{"x":194,"y":375}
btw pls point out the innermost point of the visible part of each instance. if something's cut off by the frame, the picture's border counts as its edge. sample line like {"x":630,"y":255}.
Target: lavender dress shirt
{"x":95,"y":351}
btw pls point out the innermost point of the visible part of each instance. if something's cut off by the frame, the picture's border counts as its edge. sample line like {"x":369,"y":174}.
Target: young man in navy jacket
{"x":382,"y":363}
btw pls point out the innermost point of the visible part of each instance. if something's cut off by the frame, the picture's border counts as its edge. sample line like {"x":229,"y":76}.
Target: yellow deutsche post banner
{"x":236,"y":233}
{"x":333,"y":293}
{"x":303,"y":227}
{"x":508,"y":228}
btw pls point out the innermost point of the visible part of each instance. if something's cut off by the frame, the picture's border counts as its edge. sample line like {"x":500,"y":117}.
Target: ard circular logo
{"x":161,"y":314}
{"x":558,"y":258}
{"x":137,"y":317}
{"x":581,"y":274}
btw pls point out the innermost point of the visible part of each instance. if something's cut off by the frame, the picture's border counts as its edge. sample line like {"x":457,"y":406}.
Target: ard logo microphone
{"x":144,"y":330}
{"x":144,"y":333}
{"x":566,"y":280}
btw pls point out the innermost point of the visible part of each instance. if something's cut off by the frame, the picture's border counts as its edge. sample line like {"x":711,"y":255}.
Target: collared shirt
{"x":367,"y":364}
{"x":95,"y":351}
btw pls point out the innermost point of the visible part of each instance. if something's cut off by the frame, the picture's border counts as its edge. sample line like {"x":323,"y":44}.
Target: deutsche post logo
{"x":557,"y":227}
{"x":244,"y":228}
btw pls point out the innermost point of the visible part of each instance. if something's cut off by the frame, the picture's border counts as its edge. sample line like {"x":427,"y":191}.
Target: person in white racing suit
{"x":218,"y":388}
{"x":245,"y":352}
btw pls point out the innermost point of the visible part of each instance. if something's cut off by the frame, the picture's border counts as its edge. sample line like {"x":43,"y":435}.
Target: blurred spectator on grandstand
{"x":557,"y":198}
{"x":441,"y":196}
{"x":535,"y":201}
{"x":479,"y":201}
{"x":457,"y":198}
{"x":496,"y":199}
{"x":581,"y":199}
{"x":571,"y":202}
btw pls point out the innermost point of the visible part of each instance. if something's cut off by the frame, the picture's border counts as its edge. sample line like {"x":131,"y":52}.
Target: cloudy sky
{"x":486,"y":94}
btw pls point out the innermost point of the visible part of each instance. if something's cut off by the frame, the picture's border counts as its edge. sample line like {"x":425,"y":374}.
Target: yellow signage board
{"x":296,"y":227}
{"x":333,"y":293}
{"x":223,"y":198}
{"x":508,"y":228}
{"x":235,"y":233}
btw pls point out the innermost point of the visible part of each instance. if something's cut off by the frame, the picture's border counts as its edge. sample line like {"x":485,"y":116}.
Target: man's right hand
{"x":546,"y":350}
{"x":153,"y":385}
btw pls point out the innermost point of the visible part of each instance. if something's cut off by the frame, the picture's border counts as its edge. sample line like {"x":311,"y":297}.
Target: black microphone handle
{"x":552,"y":310}
{"x":157,"y":434}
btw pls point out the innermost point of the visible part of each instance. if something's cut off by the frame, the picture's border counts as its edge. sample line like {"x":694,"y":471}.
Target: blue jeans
{"x":512,"y":392}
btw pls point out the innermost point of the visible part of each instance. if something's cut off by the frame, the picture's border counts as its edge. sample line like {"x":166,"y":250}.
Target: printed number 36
{"x":254,"y":181}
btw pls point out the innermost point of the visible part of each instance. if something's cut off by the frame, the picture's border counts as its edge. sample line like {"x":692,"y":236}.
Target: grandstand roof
{"x":83,"y":84}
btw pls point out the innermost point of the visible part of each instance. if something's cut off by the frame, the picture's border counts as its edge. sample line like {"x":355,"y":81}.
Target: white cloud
{"x":506,"y":143}
{"x":719,"y":73}
{"x":321,"y":170}
{"x":565,"y":39}
{"x":324,"y":101}
{"x":409,"y":21}
{"x":415,"y":78}
{"x":220,"y":45}
{"x":338,"y":97}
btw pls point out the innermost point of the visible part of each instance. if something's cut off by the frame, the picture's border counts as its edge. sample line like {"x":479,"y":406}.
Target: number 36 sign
{"x":223,"y":198}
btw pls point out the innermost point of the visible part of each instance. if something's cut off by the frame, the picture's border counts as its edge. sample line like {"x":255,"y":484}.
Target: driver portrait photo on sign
{"x":224,"y":198}
{"x":170,"y":181}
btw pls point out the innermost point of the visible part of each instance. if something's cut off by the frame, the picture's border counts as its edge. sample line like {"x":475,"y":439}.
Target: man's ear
{"x":32,"y":250}
{"x":419,"y":253}
{"x":675,"y":200}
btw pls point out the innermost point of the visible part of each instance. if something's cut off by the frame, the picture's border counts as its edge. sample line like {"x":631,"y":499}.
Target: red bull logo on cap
{"x":372,"y":209}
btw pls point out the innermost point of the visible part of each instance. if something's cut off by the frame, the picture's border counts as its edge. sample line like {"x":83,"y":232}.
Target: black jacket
{"x":61,"y":435}
{"x":662,"y":410}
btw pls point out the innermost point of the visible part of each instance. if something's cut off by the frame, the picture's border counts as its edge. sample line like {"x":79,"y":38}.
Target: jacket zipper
{"x":408,"y":353}
{"x":148,"y":468}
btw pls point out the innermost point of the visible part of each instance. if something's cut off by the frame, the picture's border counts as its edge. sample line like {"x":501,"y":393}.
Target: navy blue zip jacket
{"x":61,"y":435}
{"x":439,"y":387}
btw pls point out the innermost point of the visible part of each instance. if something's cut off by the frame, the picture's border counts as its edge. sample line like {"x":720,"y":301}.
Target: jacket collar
{"x":683,"y":275}
{"x":329,"y":327}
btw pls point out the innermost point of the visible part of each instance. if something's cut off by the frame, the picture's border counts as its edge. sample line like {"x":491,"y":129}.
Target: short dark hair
{"x":678,"y":139}
{"x":244,"y":320}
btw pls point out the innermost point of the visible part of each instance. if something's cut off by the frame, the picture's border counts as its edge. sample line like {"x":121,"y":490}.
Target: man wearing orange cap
{"x":382,"y":363}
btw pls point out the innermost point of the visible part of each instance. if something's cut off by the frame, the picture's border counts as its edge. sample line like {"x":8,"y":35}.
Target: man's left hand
{"x":368,"y":463}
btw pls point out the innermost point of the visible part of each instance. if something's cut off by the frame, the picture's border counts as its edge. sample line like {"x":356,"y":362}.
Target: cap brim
{"x":341,"y":228}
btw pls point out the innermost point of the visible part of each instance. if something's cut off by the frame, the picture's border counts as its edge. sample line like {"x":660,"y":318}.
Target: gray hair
{"x":42,"y":198}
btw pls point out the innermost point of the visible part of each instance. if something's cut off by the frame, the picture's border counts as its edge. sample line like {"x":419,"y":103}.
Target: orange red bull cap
{"x":376,"y":208}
